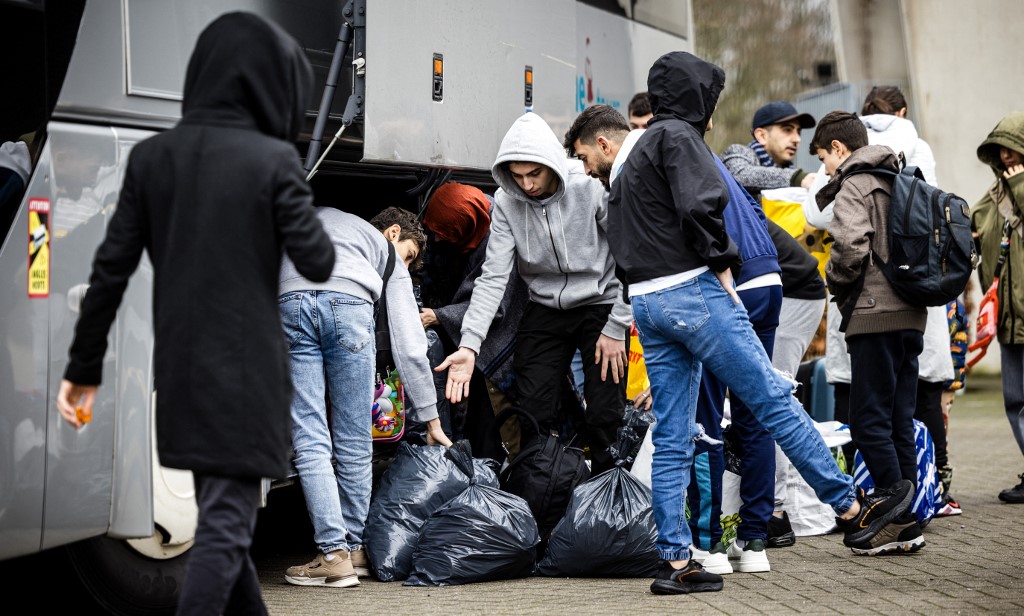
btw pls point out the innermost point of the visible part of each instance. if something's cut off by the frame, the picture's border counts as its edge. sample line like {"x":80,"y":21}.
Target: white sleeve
{"x":818,"y":219}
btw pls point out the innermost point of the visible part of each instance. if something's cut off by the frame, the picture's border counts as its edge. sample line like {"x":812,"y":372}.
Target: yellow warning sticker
{"x":38,"y":248}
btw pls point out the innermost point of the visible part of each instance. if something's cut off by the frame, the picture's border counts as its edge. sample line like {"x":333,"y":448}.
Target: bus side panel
{"x":79,"y":469}
{"x":486,"y":46}
{"x":132,"y":496}
{"x":24,"y":407}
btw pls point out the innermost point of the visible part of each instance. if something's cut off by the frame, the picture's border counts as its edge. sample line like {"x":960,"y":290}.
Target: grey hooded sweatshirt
{"x":360,"y":256}
{"x":559,"y":243}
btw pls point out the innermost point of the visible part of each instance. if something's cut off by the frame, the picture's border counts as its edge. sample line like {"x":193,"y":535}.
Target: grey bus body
{"x":60,"y":486}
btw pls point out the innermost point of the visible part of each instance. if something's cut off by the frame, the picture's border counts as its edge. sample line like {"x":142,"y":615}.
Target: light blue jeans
{"x":695,"y":323}
{"x":331,"y":342}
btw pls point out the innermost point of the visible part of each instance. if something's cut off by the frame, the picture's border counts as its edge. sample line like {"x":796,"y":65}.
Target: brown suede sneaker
{"x":336,"y":572}
{"x":360,"y":563}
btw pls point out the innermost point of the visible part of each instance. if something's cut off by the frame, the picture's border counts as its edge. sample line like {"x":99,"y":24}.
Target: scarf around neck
{"x":763,"y":156}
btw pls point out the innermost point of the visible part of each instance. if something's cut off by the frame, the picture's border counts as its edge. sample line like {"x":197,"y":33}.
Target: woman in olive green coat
{"x":1003,"y":150}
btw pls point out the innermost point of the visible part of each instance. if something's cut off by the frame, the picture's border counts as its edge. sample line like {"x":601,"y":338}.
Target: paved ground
{"x":972,"y":563}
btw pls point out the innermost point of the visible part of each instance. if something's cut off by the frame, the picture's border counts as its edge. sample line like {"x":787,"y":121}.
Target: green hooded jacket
{"x":988,"y":217}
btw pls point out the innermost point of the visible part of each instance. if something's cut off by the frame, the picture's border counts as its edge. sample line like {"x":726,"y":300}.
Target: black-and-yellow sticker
{"x":38,"y":248}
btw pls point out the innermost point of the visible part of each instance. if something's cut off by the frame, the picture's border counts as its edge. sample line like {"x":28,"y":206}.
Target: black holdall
{"x":544,"y":473}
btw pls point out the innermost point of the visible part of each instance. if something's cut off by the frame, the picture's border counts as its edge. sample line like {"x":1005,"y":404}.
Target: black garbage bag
{"x":481,"y":535}
{"x":635,"y":424}
{"x":419,"y":481}
{"x":608,"y":530}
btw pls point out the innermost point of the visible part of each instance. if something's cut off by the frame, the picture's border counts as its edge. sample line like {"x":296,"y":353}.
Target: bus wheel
{"x":124,"y":581}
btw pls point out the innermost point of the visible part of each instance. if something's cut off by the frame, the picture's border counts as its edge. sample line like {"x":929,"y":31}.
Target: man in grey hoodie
{"x":329,"y":327}
{"x":545,"y":203}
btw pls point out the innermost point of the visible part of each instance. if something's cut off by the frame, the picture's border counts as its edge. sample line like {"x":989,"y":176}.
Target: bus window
{"x":40,"y":42}
{"x":671,"y":16}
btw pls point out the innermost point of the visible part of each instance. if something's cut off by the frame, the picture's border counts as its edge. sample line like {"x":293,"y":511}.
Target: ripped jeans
{"x":695,"y":323}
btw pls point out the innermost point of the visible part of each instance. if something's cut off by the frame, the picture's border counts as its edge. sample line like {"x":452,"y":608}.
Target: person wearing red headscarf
{"x":458,"y":220}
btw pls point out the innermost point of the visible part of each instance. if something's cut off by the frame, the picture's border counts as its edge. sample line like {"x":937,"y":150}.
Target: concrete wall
{"x":957,"y":58}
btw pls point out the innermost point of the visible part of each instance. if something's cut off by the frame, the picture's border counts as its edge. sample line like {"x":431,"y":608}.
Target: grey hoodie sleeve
{"x":742,"y":163}
{"x":409,"y":345}
{"x":490,"y":286}
{"x":621,"y":316}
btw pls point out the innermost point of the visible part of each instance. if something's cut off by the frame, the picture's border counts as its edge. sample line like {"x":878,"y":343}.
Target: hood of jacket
{"x":248,"y":72}
{"x":684,"y":87}
{"x":898,"y":133}
{"x":530,"y":139}
{"x":865,"y":158}
{"x":1009,"y":133}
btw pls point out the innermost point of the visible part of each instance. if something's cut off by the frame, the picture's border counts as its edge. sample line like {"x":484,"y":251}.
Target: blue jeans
{"x":331,"y":341}
{"x":757,"y":476}
{"x":695,"y":323}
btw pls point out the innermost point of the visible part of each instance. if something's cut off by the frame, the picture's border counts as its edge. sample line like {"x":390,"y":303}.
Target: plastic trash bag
{"x":417,"y":483}
{"x":481,"y":535}
{"x":635,"y":425}
{"x":608,"y":530}
{"x":641,"y":468}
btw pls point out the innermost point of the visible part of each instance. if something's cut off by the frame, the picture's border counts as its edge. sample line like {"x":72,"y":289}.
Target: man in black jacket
{"x":213,"y":202}
{"x":669,"y":242}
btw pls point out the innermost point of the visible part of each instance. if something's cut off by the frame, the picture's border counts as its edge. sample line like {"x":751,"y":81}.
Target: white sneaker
{"x":715,"y":561}
{"x":753,"y":557}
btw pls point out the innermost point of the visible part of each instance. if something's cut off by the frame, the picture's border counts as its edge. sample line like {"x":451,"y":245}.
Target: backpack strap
{"x":382,"y":328}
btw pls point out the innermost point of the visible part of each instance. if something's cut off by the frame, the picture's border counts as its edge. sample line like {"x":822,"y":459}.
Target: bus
{"x":425,"y":92}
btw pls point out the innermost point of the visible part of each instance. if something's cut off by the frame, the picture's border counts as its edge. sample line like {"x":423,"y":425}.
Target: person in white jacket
{"x":884,"y":114}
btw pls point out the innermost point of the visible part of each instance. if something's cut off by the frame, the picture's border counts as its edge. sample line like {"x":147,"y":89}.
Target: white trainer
{"x":753,"y":557}
{"x":715,"y":561}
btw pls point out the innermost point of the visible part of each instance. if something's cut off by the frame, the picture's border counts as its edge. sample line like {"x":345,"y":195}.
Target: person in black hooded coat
{"x":213,"y":202}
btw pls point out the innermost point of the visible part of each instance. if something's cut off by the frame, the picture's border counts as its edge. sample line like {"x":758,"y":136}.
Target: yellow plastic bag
{"x":784,"y":206}
{"x":636,"y":380}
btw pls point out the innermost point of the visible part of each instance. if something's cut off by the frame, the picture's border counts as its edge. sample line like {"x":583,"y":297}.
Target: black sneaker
{"x":780,"y":532}
{"x":901,"y":536}
{"x":876,"y":511}
{"x":692,"y":578}
{"x":1014,"y":494}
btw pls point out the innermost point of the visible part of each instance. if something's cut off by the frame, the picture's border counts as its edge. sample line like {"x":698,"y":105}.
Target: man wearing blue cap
{"x":767,"y":161}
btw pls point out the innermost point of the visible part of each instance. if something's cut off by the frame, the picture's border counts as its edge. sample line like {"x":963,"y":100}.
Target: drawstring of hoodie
{"x":526,"y":227}
{"x":565,"y":245}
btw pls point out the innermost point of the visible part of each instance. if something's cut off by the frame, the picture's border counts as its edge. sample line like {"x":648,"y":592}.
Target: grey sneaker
{"x":336,"y":573}
{"x":901,"y":536}
{"x":360,"y":563}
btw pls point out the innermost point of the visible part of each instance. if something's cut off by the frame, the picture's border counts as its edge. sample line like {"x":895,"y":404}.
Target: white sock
{"x":741,"y":543}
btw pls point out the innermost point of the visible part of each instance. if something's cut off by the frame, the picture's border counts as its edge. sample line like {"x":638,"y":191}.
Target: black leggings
{"x":929,"y":412}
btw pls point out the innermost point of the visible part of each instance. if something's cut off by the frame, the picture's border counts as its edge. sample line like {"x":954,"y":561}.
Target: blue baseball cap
{"x":778,"y":112}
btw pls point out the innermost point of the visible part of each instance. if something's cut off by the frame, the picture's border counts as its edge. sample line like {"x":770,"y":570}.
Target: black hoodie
{"x":665,"y":209}
{"x":213,"y":202}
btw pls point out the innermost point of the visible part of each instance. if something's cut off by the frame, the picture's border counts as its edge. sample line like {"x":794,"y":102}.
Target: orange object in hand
{"x":987,"y":324}
{"x":83,"y":413}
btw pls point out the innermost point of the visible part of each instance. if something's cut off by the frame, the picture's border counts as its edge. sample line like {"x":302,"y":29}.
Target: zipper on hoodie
{"x":547,"y":221}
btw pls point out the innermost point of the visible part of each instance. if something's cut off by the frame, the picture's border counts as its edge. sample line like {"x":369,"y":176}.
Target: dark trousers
{"x":883,"y":397}
{"x":841,"y":392}
{"x":221,"y":577}
{"x":435,"y":355}
{"x":929,"y":412}
{"x":757,"y":474}
{"x":546,"y":342}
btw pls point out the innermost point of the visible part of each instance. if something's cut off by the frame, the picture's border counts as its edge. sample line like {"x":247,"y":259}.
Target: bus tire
{"x":126,"y":582}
